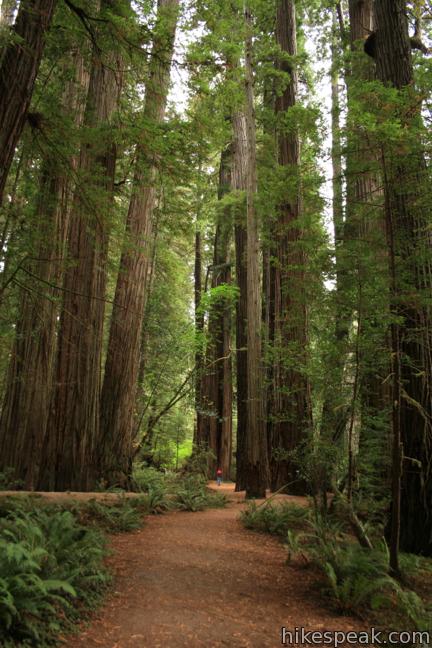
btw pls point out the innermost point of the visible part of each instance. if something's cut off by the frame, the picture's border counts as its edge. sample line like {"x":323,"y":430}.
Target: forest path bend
{"x":201,"y":579}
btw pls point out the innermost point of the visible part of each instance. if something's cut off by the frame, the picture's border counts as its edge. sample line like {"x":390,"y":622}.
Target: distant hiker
{"x":219,"y":476}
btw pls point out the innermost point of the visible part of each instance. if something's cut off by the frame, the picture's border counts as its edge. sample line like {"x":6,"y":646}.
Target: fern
{"x":47,"y":561}
{"x":277,"y":519}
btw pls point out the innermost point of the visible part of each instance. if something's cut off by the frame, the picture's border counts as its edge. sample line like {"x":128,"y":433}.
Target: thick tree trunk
{"x":140,"y":395}
{"x":408,"y":231}
{"x":25,"y":410}
{"x":361,"y":192}
{"x":216,"y":393}
{"x":74,"y":425}
{"x":256,"y":463}
{"x":199,"y":433}
{"x":19,"y":65}
{"x":366,"y":232}
{"x":291,"y":415}
{"x":238,"y":185}
{"x":26,"y":405}
{"x":123,"y":356}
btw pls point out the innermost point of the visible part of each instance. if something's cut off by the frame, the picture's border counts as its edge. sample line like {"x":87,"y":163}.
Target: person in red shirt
{"x":219,"y":476}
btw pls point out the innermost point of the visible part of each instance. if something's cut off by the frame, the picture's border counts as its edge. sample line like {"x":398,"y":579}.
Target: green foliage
{"x":8,"y":481}
{"x":277,"y":519}
{"x":356,"y":579}
{"x":191,"y":494}
{"x":126,"y":515}
{"x":199,"y":461}
{"x":185,"y":491}
{"x":51,"y":569}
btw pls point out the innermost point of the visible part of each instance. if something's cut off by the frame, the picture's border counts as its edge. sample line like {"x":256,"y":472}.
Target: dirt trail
{"x":201,"y":579}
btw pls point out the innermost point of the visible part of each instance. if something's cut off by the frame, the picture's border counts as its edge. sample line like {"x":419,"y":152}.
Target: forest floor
{"x":202,"y":579}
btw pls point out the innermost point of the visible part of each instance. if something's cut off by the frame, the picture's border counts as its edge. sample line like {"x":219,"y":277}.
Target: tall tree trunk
{"x":25,"y":410}
{"x":19,"y":65}
{"x":408,"y":232}
{"x":238,"y":184}
{"x":291,"y":416}
{"x":74,"y":425}
{"x":366,"y":238}
{"x":122,"y":363}
{"x":216,"y":393}
{"x":141,"y":407}
{"x":361,"y":185}
{"x":256,"y":463}
{"x":199,"y":434}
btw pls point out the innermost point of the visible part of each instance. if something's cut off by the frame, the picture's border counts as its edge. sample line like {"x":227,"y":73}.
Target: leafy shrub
{"x":8,"y":481}
{"x":126,"y":515}
{"x":146,"y":477}
{"x":200,"y":460}
{"x":356,"y":579}
{"x":190,"y":493}
{"x":186,"y":491}
{"x":277,"y":519}
{"x":51,"y":567}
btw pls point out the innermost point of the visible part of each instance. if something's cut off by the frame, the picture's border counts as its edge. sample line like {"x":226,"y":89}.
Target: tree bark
{"x":19,"y":65}
{"x":216,"y":396}
{"x":238,"y":184}
{"x":256,"y":462}
{"x":122,"y":363}
{"x":408,"y":230}
{"x":291,"y":415}
{"x":199,"y":436}
{"x":25,"y":410}
{"x":74,"y":425}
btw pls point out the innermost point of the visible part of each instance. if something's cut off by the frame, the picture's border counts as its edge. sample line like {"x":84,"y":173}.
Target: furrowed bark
{"x":291,"y":415}
{"x":115,"y":447}
{"x":256,"y":464}
{"x":216,"y":396}
{"x":238,"y":185}
{"x":19,"y":65}
{"x":73,"y":429}
{"x":408,"y":233}
{"x":25,"y":410}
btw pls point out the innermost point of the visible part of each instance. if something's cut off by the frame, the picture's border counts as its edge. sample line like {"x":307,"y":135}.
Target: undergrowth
{"x":356,"y":580}
{"x":171,"y":491}
{"x":276,"y":519}
{"x":52,"y":569}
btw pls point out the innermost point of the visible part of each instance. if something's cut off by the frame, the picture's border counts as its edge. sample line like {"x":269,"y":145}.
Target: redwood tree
{"x":409,"y":245}
{"x":118,"y":401}
{"x":216,"y":385}
{"x":19,"y":65}
{"x":256,"y":461}
{"x":74,"y":424}
{"x":26,"y":404}
{"x":291,"y":415}
{"x":238,"y":184}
